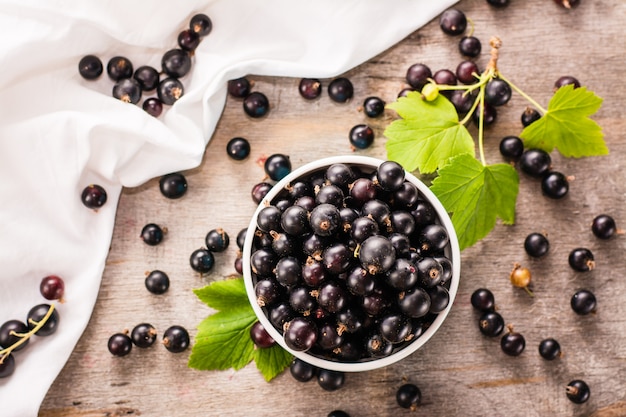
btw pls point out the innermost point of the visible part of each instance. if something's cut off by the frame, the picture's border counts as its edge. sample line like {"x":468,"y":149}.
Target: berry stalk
{"x":25,"y":336}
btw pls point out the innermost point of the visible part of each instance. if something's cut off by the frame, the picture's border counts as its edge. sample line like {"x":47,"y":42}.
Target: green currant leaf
{"x":272,"y":361}
{"x":566,"y":125}
{"x":223,"y":339}
{"x":476,"y":195}
{"x":427,"y":135}
{"x":222,"y":295}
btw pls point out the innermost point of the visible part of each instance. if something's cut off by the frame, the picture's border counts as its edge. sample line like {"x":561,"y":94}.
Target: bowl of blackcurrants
{"x":350,"y":263}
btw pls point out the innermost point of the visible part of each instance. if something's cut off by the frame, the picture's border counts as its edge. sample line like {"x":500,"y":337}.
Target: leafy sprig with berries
{"x":429,"y":138}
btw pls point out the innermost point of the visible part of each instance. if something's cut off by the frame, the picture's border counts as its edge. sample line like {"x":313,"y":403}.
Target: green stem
{"x":25,"y":336}
{"x":523,"y":94}
{"x":481,"y":123}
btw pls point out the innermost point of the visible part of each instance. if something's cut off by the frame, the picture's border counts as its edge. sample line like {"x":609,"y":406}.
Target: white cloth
{"x":59,"y":132}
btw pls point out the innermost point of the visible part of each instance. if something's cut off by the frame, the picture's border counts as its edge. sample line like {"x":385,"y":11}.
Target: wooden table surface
{"x":459,"y":371}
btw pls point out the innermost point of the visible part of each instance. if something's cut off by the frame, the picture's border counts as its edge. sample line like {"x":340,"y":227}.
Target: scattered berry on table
{"x":583,"y":302}
{"x":143,"y":335}
{"x":453,"y":22}
{"x":409,"y":396}
{"x":581,"y":259}
{"x":310,"y":88}
{"x":176,"y":339}
{"x":340,"y":90}
{"x":550,"y":349}
{"x":577,"y":391}
{"x":152,"y":234}
{"x":536,"y":244}
{"x":238,"y":148}
{"x":157,"y":282}
{"x":173,"y":185}
{"x":120,"y":344}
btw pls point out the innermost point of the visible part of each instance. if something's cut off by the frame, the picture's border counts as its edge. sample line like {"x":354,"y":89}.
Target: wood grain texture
{"x":459,"y":372}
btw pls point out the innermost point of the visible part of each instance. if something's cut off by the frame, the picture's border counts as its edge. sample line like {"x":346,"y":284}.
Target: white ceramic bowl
{"x":452,"y":252}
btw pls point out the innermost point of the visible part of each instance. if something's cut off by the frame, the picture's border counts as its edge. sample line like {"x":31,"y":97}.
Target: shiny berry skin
{"x":157,"y":282}
{"x":300,"y":334}
{"x":238,"y":148}
{"x":127,"y":90}
{"x":310,"y":88}
{"x":373,"y":106}
{"x":330,"y":380}
{"x":361,"y":136}
{"x":153,"y":106}
{"x":340,"y":90}
{"x":143,"y":335}
{"x":554,"y":185}
{"x":119,"y":67}
{"x":201,"y":24}
{"x":260,"y":337}
{"x":152,"y":234}
{"x":453,"y":22}
{"x":497,"y":92}
{"x":511,"y":147}
{"x":120,"y":344}
{"x":583,"y":302}
{"x":470,"y":46}
{"x":170,"y":90}
{"x":94,"y":196}
{"x":535,"y":162}
{"x":176,"y":339}
{"x":259,"y":191}
{"x":536,"y":245}
{"x":512,"y":343}
{"x":491,"y":324}
{"x":550,"y":349}
{"x":176,"y":63}
{"x":277,"y":166}
{"x":417,"y":75}
{"x":483,"y":300}
{"x":188,"y":40}
{"x":37,"y":313}
{"x":377,"y":254}
{"x":577,"y":391}
{"x":217,"y":240}
{"x":467,"y":71}
{"x":239,"y":87}
{"x":147,"y":77}
{"x":173,"y":186}
{"x":581,"y":259}
{"x":256,"y":104}
{"x":409,"y":396}
{"x":566,"y":80}
{"x":202,"y":260}
{"x":302,"y":371}
{"x":7,"y":366}
{"x":52,"y":287}
{"x":390,"y":175}
{"x":7,"y":339}
{"x":529,"y":116}
{"x":603,"y":226}
{"x":90,"y":67}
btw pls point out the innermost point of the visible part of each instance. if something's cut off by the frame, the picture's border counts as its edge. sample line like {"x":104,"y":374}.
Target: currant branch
{"x":4,"y":353}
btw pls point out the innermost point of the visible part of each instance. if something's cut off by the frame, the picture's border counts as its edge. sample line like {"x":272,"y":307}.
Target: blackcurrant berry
{"x":330,"y":380}
{"x":512,"y":343}
{"x":120,"y":344}
{"x":153,"y":106}
{"x":390,"y":175}
{"x":52,"y":287}
{"x":453,"y":22}
{"x":256,"y":104}
{"x":377,"y":254}
{"x":147,"y":77}
{"x":90,"y":67}
{"x":143,"y":335}
{"x":7,"y":338}
{"x":119,"y":67}
{"x":566,"y":80}
{"x":259,"y":191}
{"x":302,"y":371}
{"x":361,"y":136}
{"x":173,"y":185}
{"x":157,"y":282}
{"x":549,"y":349}
{"x":535,"y":162}
{"x":37,"y":314}
{"x":7,"y":365}
{"x":583,"y":302}
{"x":188,"y":40}
{"x":554,"y":185}
{"x":176,"y":63}
{"x":217,"y":240}
{"x":94,"y":196}
{"x":511,"y":147}
{"x":529,"y":116}
{"x":603,"y":226}
{"x":260,"y":337}
{"x":536,"y":245}
{"x":497,"y":92}
{"x":467,"y":72}
{"x":340,"y":90}
{"x":483,"y":300}
{"x":408,"y":396}
{"x":415,"y":303}
{"x":373,"y":106}
{"x":176,"y":339}
{"x":239,"y":87}
{"x":127,"y":90}
{"x":581,"y":259}
{"x":201,"y":260}
{"x":170,"y":90}
{"x":238,"y":148}
{"x":498,"y":3}
{"x":577,"y":391}
{"x":310,"y":88}
{"x":470,"y":46}
{"x":201,"y":24}
{"x":300,"y":334}
{"x":152,"y":234}
{"x":417,"y":75}
{"x":491,"y":324}
{"x":277,"y":166}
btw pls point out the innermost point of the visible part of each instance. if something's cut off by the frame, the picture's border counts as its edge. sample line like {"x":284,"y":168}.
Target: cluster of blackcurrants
{"x":131,"y":83}
{"x":175,"y":339}
{"x":41,"y":320}
{"x":491,"y":324}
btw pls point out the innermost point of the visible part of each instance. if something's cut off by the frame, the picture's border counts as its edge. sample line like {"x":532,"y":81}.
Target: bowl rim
{"x":455,"y":258}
